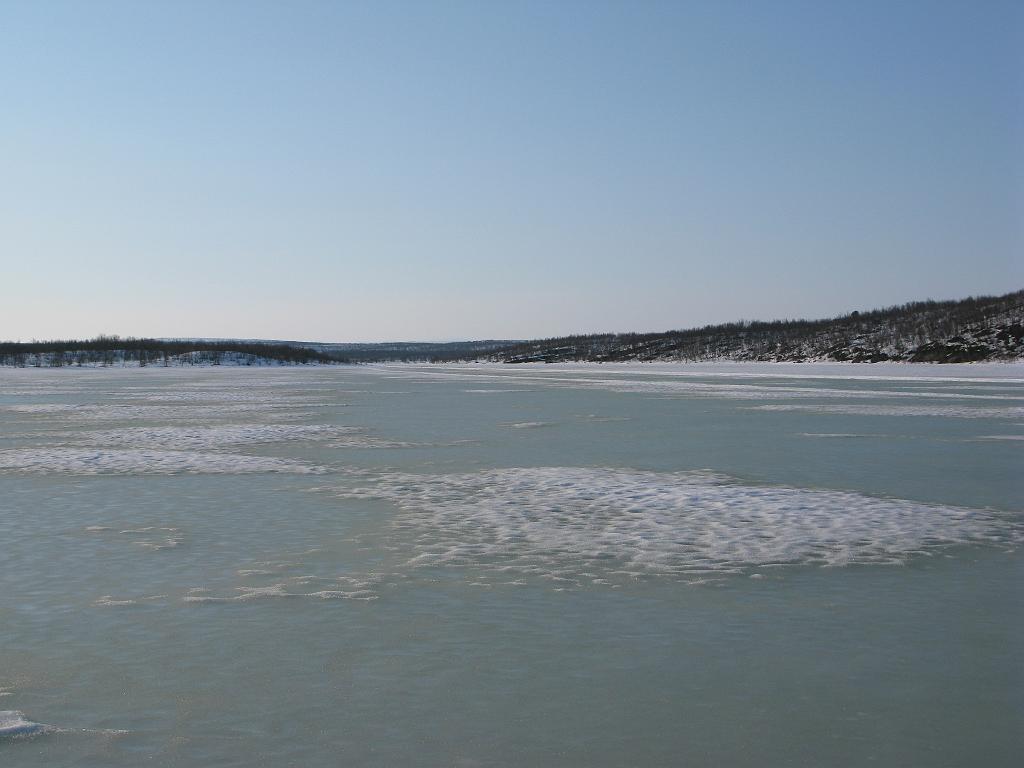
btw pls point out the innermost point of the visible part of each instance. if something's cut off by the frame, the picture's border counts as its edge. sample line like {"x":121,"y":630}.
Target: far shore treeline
{"x":975,"y":329}
{"x":114,"y":350}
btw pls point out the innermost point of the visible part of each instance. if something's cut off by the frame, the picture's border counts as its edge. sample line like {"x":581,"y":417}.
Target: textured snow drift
{"x":954,"y":411}
{"x":206,"y":438}
{"x":337,"y":588}
{"x":13,"y":724}
{"x":897,"y":372}
{"x":754,"y":391}
{"x":579,"y":524}
{"x":109,"y":601}
{"x":102,"y":461}
{"x":153,"y":537}
{"x":247,"y":395}
{"x":183,"y":412}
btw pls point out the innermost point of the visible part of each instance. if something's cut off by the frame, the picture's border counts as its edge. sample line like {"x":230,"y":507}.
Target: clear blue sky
{"x":441,"y":170}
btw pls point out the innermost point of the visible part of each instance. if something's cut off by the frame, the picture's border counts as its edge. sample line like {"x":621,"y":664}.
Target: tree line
{"x":975,"y":328}
{"x":114,"y":350}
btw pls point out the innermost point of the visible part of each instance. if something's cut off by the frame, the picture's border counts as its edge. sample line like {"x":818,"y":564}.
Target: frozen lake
{"x":482,"y":565}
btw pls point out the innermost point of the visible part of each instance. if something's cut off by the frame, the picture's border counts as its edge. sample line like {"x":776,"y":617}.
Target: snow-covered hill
{"x":970,"y":330}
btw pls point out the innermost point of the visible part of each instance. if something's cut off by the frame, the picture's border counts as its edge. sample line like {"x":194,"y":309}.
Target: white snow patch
{"x":13,"y":724}
{"x":949,"y":411}
{"x":207,"y":438}
{"x":332,"y":589}
{"x":573,"y":524}
{"x":102,"y":461}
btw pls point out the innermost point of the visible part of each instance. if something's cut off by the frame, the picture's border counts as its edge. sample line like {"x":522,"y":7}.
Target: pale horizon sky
{"x":350,"y":171}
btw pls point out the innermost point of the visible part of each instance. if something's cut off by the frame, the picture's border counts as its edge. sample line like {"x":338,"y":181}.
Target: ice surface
{"x":13,"y":724}
{"x":579,"y":524}
{"x":341,"y":588}
{"x":101,"y":461}
{"x":951,"y":411}
{"x":206,"y":438}
{"x":662,"y":380}
{"x":973,"y":372}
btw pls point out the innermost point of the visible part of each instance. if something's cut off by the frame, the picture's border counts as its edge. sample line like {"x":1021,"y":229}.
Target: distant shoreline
{"x":972,"y":330}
